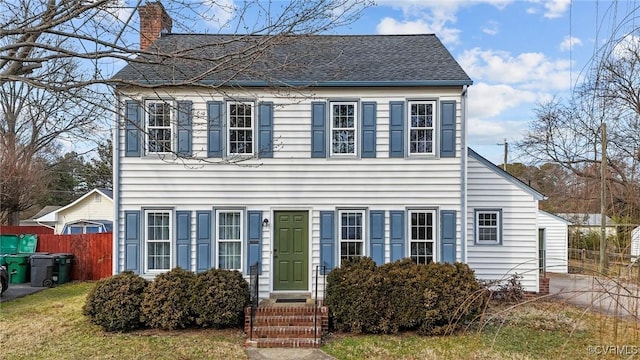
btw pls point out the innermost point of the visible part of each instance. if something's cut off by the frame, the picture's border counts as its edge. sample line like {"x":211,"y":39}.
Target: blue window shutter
{"x":254,"y":240}
{"x":203,"y":240}
{"x":318,"y":130}
{"x":133,"y":119}
{"x":327,"y":241}
{"x":183,"y":239}
{"x":448,"y":129}
{"x":368,"y":130}
{"x":396,"y":129}
{"x":214,"y":128}
{"x":265,"y":130}
{"x":376,"y":220}
{"x":448,"y":238}
{"x":132,"y":240}
{"x":397,"y":238}
{"x":185,"y":128}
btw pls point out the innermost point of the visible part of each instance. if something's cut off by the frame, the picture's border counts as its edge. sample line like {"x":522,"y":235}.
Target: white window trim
{"x":356,"y":123}
{"x":435,"y":123}
{"x":172,"y":124}
{"x":241,"y":240}
{"x":365,"y":232}
{"x":476,"y":227}
{"x":228,"y":128}
{"x":436,"y":238}
{"x":146,"y":241}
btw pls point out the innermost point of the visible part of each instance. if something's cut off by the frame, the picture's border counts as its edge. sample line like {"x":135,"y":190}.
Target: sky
{"x":518,"y":53}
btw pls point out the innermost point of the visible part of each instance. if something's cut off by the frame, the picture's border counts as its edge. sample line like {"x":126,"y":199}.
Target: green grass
{"x":50,"y":325}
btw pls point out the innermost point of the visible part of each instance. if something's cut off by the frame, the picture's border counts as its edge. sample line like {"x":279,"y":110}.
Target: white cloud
{"x":486,"y":101}
{"x":527,"y":70}
{"x":392,"y":26}
{"x":556,"y":8}
{"x":627,"y":47}
{"x":490,"y":28}
{"x":219,"y":13}
{"x":569,"y":42}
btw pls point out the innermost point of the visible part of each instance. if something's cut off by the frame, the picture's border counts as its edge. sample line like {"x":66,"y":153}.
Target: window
{"x":159,"y":127}
{"x":229,"y":234}
{"x":343,"y":128}
{"x":84,"y":227}
{"x":422,"y":232}
{"x":422,"y":127}
{"x":240,"y":119}
{"x":488,"y":226}
{"x":351,"y":234}
{"x":158,"y":240}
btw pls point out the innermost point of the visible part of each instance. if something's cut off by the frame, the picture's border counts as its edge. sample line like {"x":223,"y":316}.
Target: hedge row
{"x":433,"y":299}
{"x":176,"y":299}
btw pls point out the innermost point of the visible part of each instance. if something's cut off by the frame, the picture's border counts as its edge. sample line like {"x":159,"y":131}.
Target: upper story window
{"x":343,"y":128}
{"x":422,"y":236}
{"x":422,"y":115}
{"x":241,"y":122}
{"x":352,"y":233}
{"x":488,"y":224}
{"x":159,"y":132}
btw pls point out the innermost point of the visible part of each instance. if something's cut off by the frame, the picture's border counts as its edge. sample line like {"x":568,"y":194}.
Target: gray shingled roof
{"x":321,"y":60}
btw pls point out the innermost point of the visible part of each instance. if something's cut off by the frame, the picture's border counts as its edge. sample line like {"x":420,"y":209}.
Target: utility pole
{"x":506,"y":154}
{"x":603,"y":223}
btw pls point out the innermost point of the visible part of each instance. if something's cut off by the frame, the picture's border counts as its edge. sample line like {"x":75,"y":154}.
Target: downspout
{"x":116,"y":186}
{"x":463,"y":176}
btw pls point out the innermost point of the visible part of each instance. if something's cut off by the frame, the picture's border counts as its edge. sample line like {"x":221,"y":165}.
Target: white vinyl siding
{"x":158,"y":240}
{"x":556,"y":241}
{"x":292,"y":180}
{"x":519,"y":250}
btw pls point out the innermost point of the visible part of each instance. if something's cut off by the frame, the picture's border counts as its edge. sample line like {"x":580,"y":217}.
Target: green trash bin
{"x":2,"y":260}
{"x":63,"y":267}
{"x":8,"y":244}
{"x":18,"y":268}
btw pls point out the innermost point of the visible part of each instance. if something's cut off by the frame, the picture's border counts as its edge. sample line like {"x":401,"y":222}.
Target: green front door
{"x":291,"y":251}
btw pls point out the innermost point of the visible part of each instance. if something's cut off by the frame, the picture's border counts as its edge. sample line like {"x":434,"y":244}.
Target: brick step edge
{"x":278,"y":332}
{"x":290,"y":311}
{"x":283,"y":343}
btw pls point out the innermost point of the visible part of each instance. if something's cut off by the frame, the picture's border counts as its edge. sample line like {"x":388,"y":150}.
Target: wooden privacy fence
{"x":91,"y":253}
{"x":17,"y":230}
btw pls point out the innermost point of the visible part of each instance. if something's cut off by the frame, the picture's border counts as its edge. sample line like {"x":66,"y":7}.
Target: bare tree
{"x":56,"y":56}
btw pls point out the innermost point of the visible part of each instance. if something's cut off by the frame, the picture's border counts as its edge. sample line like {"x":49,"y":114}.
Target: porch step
{"x":286,"y":325}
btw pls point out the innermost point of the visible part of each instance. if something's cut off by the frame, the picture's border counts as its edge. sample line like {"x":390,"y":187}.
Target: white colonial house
{"x":349,"y":146}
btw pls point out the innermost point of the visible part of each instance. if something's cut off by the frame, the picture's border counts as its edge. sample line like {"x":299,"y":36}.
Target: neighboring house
{"x":91,"y":213}
{"x":553,"y":237}
{"x":45,"y":217}
{"x":588,"y":223}
{"x":366,"y":156}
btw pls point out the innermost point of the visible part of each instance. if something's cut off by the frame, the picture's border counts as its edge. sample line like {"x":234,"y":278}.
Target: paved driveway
{"x":19,"y":290}
{"x":605,"y":295}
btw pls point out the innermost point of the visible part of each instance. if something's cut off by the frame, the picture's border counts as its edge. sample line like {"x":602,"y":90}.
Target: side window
{"x":158,"y":240}
{"x":229,"y":233}
{"x":488,"y":225}
{"x":343,"y":122}
{"x":240,"y":128}
{"x":422,"y":236}
{"x":351,"y":232}
{"x":422,"y":122}
{"x":159,"y":126}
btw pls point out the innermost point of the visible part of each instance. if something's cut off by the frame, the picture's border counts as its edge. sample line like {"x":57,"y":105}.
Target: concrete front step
{"x":283,"y":343}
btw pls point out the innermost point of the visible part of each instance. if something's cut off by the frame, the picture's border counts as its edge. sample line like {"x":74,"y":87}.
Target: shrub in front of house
{"x":114,"y":303}
{"x":219,"y":298}
{"x":434,"y":299}
{"x":166,"y":301}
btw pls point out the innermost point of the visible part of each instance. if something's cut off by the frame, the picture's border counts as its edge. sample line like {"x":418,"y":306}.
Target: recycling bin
{"x":8,"y":244}
{"x":42,"y":269}
{"x":17,"y":267}
{"x":63,"y":267}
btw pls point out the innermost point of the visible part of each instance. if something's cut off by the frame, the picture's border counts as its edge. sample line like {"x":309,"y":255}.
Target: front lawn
{"x":50,"y":325}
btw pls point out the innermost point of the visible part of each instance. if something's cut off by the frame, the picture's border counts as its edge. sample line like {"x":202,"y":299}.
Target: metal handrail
{"x":253,"y":290}
{"x":315,"y":311}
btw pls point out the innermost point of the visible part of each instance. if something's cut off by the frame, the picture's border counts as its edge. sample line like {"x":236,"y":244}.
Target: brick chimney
{"x":153,"y":21}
